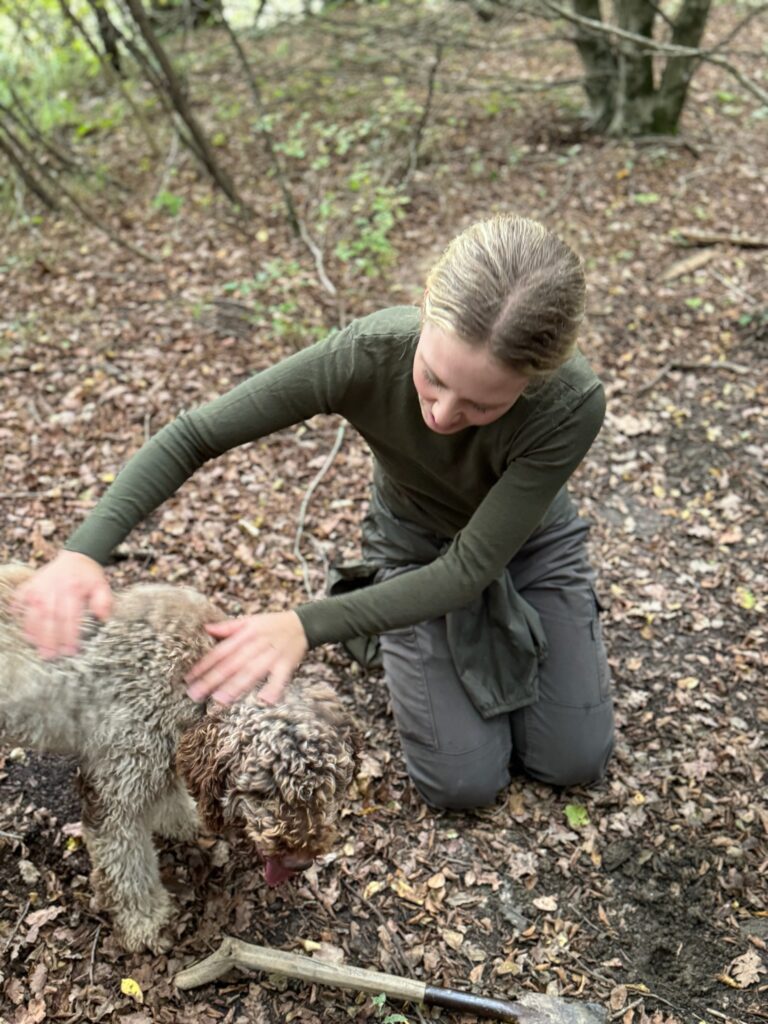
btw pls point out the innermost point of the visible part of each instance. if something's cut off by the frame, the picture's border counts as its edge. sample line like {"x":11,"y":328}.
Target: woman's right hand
{"x":51,"y":604}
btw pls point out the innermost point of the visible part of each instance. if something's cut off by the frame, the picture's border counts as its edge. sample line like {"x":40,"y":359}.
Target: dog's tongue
{"x":276,"y":872}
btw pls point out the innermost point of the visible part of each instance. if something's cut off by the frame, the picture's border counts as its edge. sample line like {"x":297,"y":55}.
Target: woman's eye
{"x":430,"y":379}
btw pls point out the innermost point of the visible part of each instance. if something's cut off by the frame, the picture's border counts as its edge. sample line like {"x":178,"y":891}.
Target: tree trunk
{"x":179,"y":99}
{"x":109,"y":36}
{"x":600,"y":63}
{"x":623,"y":97}
{"x":673,"y":88}
{"x":13,"y":149}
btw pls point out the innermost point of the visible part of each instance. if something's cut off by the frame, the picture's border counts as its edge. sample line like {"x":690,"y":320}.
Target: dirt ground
{"x":646,"y":893}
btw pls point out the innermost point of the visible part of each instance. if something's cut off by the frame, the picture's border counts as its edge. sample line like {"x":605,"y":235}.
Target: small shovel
{"x":530,"y":1008}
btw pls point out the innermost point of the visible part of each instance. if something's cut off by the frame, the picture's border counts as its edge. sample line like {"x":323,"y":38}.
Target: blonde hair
{"x":511,"y":284}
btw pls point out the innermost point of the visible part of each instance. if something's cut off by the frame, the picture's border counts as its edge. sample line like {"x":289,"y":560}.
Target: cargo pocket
{"x":405,"y":675}
{"x":601,"y":658}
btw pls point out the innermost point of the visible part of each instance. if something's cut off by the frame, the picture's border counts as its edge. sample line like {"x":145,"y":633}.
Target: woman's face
{"x":461,"y":385}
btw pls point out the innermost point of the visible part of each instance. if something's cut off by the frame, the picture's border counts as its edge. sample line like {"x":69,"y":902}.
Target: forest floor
{"x":646,"y":893}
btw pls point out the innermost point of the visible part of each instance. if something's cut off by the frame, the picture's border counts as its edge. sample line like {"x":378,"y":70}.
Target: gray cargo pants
{"x":457,"y":759}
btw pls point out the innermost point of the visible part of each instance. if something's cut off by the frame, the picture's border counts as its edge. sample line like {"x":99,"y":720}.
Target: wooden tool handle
{"x":234,"y":953}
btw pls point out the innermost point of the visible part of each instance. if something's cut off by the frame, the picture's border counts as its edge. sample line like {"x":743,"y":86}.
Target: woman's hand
{"x":51,"y":604}
{"x":252,"y":650}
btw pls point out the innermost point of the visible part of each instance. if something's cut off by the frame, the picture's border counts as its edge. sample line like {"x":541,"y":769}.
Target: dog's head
{"x":277,"y":775}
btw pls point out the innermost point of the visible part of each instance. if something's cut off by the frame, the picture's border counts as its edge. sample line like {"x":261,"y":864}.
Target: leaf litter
{"x":646,"y":893}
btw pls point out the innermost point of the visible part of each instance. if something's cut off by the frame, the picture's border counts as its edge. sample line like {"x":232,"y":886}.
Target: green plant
{"x":379,"y":1002}
{"x":168,"y":202}
{"x":376,"y":211}
{"x":271,"y":298}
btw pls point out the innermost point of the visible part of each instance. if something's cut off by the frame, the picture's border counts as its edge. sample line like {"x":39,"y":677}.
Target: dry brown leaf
{"x":747,"y":968}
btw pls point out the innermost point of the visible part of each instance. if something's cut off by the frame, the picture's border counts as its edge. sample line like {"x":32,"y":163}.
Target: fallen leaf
{"x":452,"y":938}
{"x":131,"y":988}
{"x":747,"y":968}
{"x":548,"y":903}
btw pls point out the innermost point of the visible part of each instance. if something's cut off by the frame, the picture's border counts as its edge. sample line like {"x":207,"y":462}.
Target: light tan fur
{"x":120,"y":705}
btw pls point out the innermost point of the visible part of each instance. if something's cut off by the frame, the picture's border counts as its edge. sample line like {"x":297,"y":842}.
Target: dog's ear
{"x":205,"y":768}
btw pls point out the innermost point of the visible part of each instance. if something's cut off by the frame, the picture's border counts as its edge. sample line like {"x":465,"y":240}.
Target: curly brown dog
{"x":277,"y":774}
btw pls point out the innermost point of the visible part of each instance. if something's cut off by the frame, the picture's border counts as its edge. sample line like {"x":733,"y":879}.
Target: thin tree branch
{"x":305,"y":504}
{"x":12,"y":147}
{"x":111,"y":75}
{"x":269,"y":145}
{"x":426,"y":111}
{"x":181,"y":103}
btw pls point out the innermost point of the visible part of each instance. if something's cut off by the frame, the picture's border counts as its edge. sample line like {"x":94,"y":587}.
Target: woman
{"x":478,"y":408}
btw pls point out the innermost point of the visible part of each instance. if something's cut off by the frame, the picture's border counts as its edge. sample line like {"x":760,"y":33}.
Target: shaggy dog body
{"x":120,"y":706}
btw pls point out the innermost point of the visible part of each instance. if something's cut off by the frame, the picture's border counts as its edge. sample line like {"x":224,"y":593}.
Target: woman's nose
{"x":445,"y":411}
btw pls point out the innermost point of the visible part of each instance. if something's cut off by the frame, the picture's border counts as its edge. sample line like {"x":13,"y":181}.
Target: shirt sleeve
{"x":478,"y":554}
{"x":312,"y":381}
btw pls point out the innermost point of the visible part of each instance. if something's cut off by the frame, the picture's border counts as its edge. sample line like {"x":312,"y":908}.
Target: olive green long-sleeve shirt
{"x":486,"y":489}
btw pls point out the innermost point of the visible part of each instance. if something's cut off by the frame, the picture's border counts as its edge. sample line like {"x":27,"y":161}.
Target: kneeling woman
{"x":477,"y":408}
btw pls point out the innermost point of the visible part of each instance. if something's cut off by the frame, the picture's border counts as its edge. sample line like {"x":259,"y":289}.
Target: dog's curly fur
{"x":120,"y":705}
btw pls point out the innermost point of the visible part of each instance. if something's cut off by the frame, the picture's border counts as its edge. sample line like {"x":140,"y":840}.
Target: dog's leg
{"x":174,"y":814}
{"x":125,"y":877}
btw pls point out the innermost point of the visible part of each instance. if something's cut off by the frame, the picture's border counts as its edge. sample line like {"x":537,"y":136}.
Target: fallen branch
{"x":721,"y":364}
{"x":695,"y":237}
{"x":531,"y":1008}
{"x":689,"y":264}
{"x":305,"y":504}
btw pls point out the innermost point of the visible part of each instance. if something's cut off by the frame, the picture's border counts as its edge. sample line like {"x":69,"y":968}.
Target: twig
{"x":170,"y":160}
{"x":12,"y":936}
{"x":11,"y":835}
{"x":317,"y":255}
{"x":715,"y":237}
{"x":624,"y":1009}
{"x":422,"y":123}
{"x":305,"y":504}
{"x":93,"y":952}
{"x":722,"y":364}
{"x":652,"y":995}
{"x":730,"y":1017}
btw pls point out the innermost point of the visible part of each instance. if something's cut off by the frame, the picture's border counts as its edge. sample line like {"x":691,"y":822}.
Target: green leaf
{"x":168,"y":202}
{"x":576,"y":815}
{"x":646,"y":198}
{"x":694,"y":302}
{"x":395,"y":1018}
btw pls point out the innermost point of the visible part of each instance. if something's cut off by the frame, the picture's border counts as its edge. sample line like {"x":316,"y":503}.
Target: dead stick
{"x":235,"y":953}
{"x":695,"y":237}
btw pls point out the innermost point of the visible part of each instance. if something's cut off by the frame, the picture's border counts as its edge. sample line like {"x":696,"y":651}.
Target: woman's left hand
{"x":252,"y":650}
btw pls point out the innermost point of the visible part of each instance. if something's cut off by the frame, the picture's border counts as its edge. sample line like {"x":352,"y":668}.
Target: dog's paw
{"x":137,"y":931}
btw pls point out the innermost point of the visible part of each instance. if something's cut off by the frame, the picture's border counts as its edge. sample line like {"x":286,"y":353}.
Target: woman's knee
{"x":458,"y":783}
{"x":456,"y":796}
{"x":576,"y":760}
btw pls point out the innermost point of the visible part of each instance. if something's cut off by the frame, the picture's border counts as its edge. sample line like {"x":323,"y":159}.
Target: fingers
{"x":235,"y":637}
{"x":221,"y":630}
{"x":274,"y":688}
{"x":101,"y":603}
{"x":251,"y":650}
{"x":232,"y":678}
{"x":50,"y":605}
{"x":53,"y":627}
